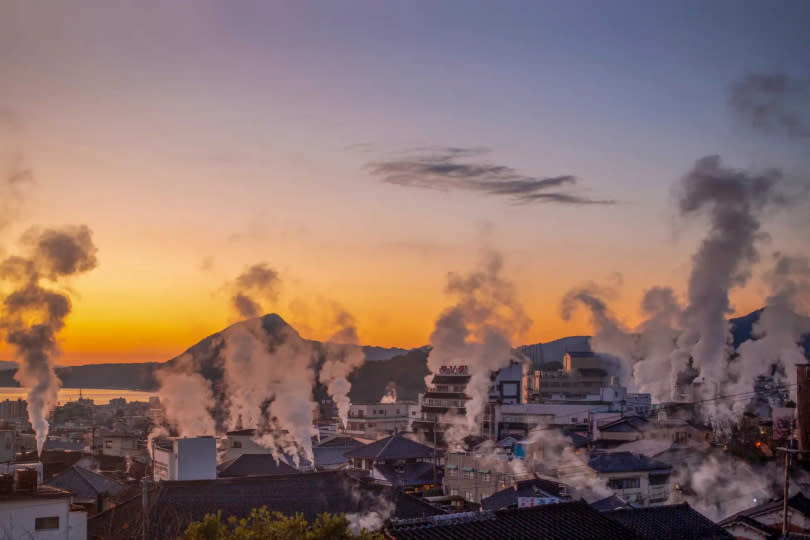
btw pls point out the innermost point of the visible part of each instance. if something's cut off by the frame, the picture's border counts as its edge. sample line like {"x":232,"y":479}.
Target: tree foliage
{"x":262,"y":524}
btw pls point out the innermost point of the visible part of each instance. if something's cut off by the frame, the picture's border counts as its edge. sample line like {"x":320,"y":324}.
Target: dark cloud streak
{"x":773,"y":103}
{"x":439,"y":168}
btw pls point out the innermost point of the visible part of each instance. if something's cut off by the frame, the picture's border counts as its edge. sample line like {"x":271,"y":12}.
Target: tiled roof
{"x":797,"y":502}
{"x":393,"y":447}
{"x":173,"y":505}
{"x":623,"y":425}
{"x":413,"y":474}
{"x":536,"y":487}
{"x":624,"y":462}
{"x":72,"y":446}
{"x":569,"y":521}
{"x":611,"y":502}
{"x":673,"y":522}
{"x":84,"y":483}
{"x":255,"y":465}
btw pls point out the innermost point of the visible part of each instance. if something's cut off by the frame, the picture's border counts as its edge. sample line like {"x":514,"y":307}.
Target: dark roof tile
{"x":673,"y":522}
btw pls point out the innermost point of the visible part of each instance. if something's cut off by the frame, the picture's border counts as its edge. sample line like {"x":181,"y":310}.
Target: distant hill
{"x":406,"y":369}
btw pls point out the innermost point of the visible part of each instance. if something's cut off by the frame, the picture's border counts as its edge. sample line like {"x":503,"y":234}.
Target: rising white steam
{"x":476,"y":331}
{"x":343,"y":355}
{"x":390,"y":395}
{"x":187,"y":400}
{"x":34,"y":310}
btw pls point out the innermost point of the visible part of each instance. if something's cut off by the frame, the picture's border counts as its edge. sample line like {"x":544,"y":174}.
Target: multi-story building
{"x":372,"y":420}
{"x":445,"y":397}
{"x":633,"y":477}
{"x":120,"y":444}
{"x":13,"y":409}
{"x":581,"y":376}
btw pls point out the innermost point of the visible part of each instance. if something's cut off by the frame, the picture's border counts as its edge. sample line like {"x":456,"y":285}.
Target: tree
{"x":262,"y":524}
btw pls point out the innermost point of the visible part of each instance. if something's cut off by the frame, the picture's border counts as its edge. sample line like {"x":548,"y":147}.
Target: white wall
{"x":196,"y":458}
{"x":18,"y":519}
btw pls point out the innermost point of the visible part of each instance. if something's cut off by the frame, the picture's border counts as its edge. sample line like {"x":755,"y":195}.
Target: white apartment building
{"x":374,"y":420}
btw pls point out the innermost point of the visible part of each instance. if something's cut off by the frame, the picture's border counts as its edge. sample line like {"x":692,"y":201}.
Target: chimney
{"x":803,"y":407}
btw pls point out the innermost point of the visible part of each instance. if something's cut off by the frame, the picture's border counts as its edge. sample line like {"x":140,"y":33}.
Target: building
{"x":173,"y":505}
{"x":7,"y":446}
{"x":255,"y":465}
{"x":120,"y":444}
{"x":635,"y":478}
{"x":508,"y":384}
{"x":671,"y":522}
{"x":94,"y":492}
{"x":13,"y":409}
{"x":445,"y":397}
{"x":527,"y":493}
{"x":518,"y":420}
{"x":28,"y":510}
{"x":181,"y":458}
{"x":764,"y":521}
{"x":398,"y":462}
{"x":565,"y":521}
{"x":373,"y":420}
{"x":582,"y":376}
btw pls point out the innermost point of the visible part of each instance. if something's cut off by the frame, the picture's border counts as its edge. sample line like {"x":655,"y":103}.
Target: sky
{"x":197,"y":138}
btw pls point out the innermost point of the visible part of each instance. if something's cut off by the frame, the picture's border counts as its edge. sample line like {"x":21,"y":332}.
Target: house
{"x":172,"y":505}
{"x":254,"y":465}
{"x":330,"y":452}
{"x":672,"y":522}
{"x":633,"y":477}
{"x":28,"y":510}
{"x":372,"y":420}
{"x":765,"y":520}
{"x":93,"y":491}
{"x":526,"y":493}
{"x":120,"y":444}
{"x":397,"y":461}
{"x":564,"y":521}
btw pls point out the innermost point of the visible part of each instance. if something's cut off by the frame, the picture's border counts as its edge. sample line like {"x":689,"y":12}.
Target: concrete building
{"x":119,"y":444}
{"x":373,"y":420}
{"x":633,"y":477}
{"x":180,"y":458}
{"x":13,"y":409}
{"x":28,"y":510}
{"x":242,"y":441}
{"x":7,"y":447}
{"x":582,"y":375}
{"x":445,"y":396}
{"x":518,"y":420}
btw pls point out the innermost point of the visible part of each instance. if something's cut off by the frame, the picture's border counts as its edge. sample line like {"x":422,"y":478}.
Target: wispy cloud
{"x":773,"y":103}
{"x":442,"y":168}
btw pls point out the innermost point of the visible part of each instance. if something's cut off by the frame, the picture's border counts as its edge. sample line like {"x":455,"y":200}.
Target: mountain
{"x":406,"y":369}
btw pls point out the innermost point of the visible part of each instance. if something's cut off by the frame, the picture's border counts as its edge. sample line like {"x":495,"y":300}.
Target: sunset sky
{"x":197,"y":138}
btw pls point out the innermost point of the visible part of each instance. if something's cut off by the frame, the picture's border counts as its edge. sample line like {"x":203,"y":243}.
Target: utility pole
{"x":788,"y":452}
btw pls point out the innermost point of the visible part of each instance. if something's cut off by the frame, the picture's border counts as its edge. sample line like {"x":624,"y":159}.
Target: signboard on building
{"x":528,"y":502}
{"x":454,"y":370}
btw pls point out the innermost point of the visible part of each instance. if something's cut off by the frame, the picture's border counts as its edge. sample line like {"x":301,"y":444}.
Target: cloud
{"x":773,"y":103}
{"x":440,"y":168}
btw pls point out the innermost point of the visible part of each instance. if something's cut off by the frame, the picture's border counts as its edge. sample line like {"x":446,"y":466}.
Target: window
{"x":46,"y":523}
{"x":658,"y":479}
{"x":453,"y":491}
{"x":451,"y":473}
{"x":469,"y":475}
{"x":484,"y":477}
{"x":236,"y":444}
{"x":469,"y":496}
{"x":107,"y":444}
{"x":624,"y":483}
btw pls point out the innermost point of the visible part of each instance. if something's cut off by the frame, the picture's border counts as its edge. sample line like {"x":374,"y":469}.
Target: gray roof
{"x":85,"y":483}
{"x":393,"y":447}
{"x":255,"y":465}
{"x":672,"y":522}
{"x":412,"y":474}
{"x":536,"y":487}
{"x":615,"y":462}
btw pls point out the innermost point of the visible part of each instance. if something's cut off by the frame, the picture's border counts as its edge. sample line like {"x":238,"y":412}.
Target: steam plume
{"x":343,"y":355}
{"x":773,"y":103}
{"x":734,"y":201}
{"x":187,"y":400}
{"x":476,"y":331}
{"x":33,"y":314}
{"x":258,"y":282}
{"x":14,"y":175}
{"x":390,"y":395}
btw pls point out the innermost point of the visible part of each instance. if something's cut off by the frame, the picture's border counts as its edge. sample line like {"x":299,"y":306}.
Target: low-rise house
{"x":764,"y":521}
{"x":28,"y":510}
{"x":526,"y":493}
{"x":633,"y":477}
{"x":372,"y":420}
{"x":171,"y":506}
{"x":397,"y":461}
{"x":94,"y":492}
{"x":254,"y":465}
{"x":120,"y":444}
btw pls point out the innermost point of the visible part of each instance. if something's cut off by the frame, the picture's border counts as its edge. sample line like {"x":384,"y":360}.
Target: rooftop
{"x":255,"y":465}
{"x":394,"y":447}
{"x":85,"y":483}
{"x":672,"y":522}
{"x":535,"y":487}
{"x":569,"y":521}
{"x":616,"y":462}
